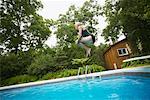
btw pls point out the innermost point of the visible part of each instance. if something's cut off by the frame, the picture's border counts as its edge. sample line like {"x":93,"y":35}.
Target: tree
{"x":66,"y":33}
{"x":15,"y":64}
{"x":21,"y":27}
{"x":97,"y":55}
{"x":131,"y":18}
{"x":87,"y":14}
{"x":135,"y":19}
{"x":112,"y":30}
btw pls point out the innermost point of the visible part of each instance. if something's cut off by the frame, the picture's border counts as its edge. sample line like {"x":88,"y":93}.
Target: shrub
{"x":60,"y":74}
{"x":19,"y":79}
{"x":41,"y":65}
{"x":136,"y":63}
{"x":72,"y":72}
{"x":49,"y":76}
{"x":14,"y":64}
{"x":92,"y":68}
{"x":96,"y":68}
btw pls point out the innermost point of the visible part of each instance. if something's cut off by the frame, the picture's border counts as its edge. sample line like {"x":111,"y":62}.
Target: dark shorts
{"x":93,"y":38}
{"x":89,"y":42}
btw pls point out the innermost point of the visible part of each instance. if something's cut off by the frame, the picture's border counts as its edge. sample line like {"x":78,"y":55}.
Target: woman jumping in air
{"x":85,"y":39}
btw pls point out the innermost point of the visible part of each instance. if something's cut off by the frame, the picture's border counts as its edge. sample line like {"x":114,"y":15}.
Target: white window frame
{"x":123,"y":54}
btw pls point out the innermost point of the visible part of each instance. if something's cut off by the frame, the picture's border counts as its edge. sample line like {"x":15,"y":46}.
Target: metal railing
{"x":85,"y":71}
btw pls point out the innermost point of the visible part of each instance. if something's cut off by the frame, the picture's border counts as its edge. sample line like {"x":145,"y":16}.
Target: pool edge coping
{"x":110,"y":72}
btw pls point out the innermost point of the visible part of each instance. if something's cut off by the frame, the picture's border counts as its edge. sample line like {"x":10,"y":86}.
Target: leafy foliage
{"x":71,"y":72}
{"x":91,"y":69}
{"x":96,"y":68}
{"x":12,"y":64}
{"x":113,"y":29}
{"x":22,"y":36}
{"x":60,"y":74}
{"x":41,"y":65}
{"x":97,"y":55}
{"x":21,"y":27}
{"x":19,"y":79}
{"x":65,"y":30}
{"x":81,"y":61}
{"x":136,"y":63}
{"x":130,"y":18}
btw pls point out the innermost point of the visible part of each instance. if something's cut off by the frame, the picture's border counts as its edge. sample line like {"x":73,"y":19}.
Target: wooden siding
{"x":112,"y":57}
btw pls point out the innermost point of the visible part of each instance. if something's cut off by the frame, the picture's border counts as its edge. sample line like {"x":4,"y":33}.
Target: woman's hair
{"x":77,"y":24}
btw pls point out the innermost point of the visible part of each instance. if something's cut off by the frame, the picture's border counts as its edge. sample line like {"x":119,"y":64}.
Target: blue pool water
{"x":124,"y":87}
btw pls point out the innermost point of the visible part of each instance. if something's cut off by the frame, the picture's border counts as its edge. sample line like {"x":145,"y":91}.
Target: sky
{"x":52,"y":9}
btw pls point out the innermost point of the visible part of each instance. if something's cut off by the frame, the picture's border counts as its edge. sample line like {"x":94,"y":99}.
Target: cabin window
{"x":122,"y":51}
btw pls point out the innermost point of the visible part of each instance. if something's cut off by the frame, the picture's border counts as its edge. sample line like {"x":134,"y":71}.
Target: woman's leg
{"x":86,"y":43}
{"x":87,"y":49}
{"x":86,"y":39}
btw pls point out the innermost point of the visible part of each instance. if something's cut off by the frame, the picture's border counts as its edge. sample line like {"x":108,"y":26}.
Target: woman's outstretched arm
{"x":79,"y":33}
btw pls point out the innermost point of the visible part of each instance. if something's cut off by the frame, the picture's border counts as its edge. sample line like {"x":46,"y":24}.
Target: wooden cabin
{"x":116,"y":53}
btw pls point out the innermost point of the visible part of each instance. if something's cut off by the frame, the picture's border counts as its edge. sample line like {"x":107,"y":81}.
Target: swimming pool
{"x":118,"y":87}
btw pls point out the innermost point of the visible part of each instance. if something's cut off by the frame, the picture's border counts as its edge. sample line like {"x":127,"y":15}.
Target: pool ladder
{"x":82,"y":69}
{"x":86,"y":71}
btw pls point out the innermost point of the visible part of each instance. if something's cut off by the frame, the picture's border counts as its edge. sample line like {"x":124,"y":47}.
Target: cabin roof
{"x":114,"y":44}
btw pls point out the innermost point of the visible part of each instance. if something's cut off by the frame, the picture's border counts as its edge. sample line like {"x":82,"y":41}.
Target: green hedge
{"x":52,"y":75}
{"x":72,"y":72}
{"x":96,"y":68}
{"x":14,"y":64}
{"x":63,"y":73}
{"x":91,"y":69}
{"x":136,"y":63}
{"x":18,"y":79}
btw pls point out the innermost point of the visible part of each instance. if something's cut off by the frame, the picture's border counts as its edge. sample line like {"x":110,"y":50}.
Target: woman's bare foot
{"x":88,"y":52}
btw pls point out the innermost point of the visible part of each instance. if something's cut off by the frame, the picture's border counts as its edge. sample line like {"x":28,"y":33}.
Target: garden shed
{"x":116,"y":53}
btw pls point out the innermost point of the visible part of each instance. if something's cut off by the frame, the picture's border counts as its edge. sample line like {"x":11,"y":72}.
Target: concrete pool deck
{"x":145,"y":69}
